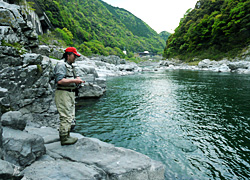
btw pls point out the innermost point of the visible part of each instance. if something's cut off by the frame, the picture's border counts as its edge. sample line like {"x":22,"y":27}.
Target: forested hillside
{"x":95,"y":27}
{"x":164,"y":35}
{"x":213,"y":29}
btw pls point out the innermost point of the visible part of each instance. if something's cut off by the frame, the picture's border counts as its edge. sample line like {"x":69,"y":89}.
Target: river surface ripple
{"x":195,"y":122}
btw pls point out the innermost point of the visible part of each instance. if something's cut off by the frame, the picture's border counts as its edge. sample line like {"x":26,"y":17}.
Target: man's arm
{"x":64,"y":81}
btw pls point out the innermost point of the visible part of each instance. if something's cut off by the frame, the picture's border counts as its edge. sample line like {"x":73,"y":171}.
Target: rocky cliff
{"x":29,"y":142}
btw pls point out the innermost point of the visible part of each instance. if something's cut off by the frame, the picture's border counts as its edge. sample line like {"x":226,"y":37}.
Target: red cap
{"x":73,"y":50}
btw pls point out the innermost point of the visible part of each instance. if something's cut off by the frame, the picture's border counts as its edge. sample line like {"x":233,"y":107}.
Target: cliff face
{"x":15,"y":28}
{"x":26,"y":84}
{"x":25,"y":78}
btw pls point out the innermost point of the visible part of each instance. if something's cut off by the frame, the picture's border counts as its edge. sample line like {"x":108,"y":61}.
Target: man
{"x":66,"y":80}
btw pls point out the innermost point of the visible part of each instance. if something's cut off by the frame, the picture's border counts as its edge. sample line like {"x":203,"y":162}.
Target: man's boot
{"x":65,"y":140}
{"x":70,"y":137}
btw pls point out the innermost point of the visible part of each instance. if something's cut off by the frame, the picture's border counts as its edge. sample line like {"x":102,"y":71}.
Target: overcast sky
{"x":160,"y":15}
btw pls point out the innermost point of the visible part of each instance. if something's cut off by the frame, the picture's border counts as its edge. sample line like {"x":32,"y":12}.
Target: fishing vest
{"x":70,"y":74}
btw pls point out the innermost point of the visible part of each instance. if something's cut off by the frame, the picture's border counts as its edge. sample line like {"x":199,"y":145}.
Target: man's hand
{"x":79,"y":81}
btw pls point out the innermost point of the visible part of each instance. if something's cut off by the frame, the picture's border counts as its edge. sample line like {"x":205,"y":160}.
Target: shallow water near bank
{"x":195,"y":122}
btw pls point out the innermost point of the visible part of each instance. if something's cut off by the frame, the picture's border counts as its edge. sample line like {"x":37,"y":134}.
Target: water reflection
{"x":196,"y":123}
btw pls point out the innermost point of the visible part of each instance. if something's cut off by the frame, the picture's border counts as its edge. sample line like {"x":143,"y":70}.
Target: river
{"x":195,"y":122}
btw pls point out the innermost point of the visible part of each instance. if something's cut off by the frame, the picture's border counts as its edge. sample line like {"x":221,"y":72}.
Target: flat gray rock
{"x":48,"y":134}
{"x":62,"y":170}
{"x":118,"y":163}
{"x":102,"y":160}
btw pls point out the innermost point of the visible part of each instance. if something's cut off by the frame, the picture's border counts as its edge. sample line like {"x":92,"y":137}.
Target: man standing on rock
{"x":66,"y":80}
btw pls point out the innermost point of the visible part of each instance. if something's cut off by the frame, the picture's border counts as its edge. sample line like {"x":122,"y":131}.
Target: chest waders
{"x":65,"y":103}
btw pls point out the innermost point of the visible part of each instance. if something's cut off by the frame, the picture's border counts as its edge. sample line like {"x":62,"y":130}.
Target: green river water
{"x":197,"y":123}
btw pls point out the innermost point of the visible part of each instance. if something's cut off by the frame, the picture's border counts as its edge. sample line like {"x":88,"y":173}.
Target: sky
{"x":160,"y":15}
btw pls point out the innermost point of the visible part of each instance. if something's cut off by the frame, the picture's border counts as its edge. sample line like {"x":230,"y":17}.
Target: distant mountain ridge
{"x":96,"y":27}
{"x":133,"y":23}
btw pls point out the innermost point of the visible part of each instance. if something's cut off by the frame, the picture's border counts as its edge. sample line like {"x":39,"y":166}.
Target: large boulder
{"x":239,"y":65}
{"x":14,"y":120}
{"x":84,"y":69}
{"x":90,"y":90}
{"x":21,"y":148}
{"x":206,"y":63}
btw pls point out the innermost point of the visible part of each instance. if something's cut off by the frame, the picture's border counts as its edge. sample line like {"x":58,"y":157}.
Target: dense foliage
{"x":96,"y":27}
{"x":164,"y":35}
{"x":213,"y":29}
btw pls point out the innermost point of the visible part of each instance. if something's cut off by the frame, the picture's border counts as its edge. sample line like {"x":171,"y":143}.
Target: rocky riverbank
{"x":36,"y":153}
{"x":29,"y":142}
{"x":239,"y":66}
